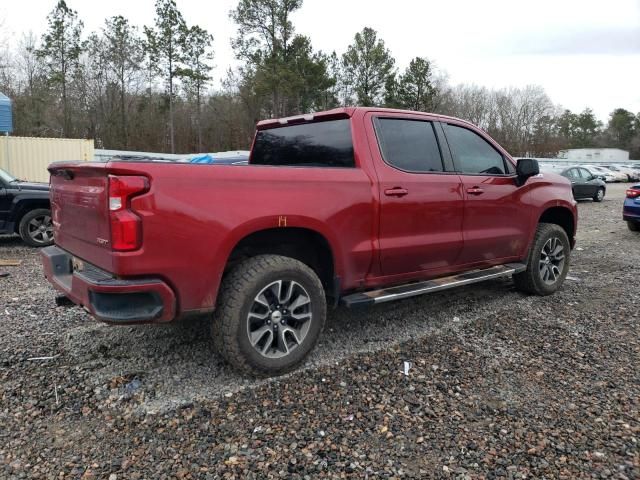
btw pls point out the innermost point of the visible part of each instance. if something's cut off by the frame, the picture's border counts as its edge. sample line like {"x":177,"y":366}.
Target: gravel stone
{"x":501,"y":384}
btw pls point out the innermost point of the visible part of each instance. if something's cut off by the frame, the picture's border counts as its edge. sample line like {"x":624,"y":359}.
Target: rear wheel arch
{"x":22,"y":207}
{"x":303,"y":244}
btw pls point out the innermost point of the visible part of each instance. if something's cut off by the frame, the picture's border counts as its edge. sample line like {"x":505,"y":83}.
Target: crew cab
{"x":25,"y":210}
{"x":353,"y":206}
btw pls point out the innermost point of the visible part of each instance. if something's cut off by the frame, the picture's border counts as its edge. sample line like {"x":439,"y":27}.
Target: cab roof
{"x":342,"y":112}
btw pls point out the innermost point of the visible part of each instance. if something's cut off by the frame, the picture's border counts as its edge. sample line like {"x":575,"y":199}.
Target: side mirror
{"x":525,"y":169}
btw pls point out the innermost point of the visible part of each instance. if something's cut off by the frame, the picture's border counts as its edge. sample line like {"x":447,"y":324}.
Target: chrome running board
{"x":429,"y":286}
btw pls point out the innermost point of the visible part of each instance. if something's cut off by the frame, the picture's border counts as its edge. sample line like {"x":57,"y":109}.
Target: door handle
{"x":475,"y":191}
{"x":396,"y":192}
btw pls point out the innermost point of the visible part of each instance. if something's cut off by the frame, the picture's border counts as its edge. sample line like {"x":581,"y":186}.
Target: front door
{"x":496,"y":218}
{"x":576,"y":182}
{"x":5,"y":205}
{"x":421,"y":205}
{"x":590,"y":184}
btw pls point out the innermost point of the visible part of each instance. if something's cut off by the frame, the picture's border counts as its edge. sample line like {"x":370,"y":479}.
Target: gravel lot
{"x":501,"y":384}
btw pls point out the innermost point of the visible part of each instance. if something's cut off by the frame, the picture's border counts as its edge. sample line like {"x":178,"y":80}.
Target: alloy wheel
{"x":40,"y":229}
{"x":279,"y":318}
{"x":552,"y":259}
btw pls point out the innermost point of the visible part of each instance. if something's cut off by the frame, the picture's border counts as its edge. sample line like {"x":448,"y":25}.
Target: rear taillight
{"x":633,"y":193}
{"x":126,"y":226}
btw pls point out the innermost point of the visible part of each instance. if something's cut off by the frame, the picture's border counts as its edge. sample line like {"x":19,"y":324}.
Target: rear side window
{"x":472,"y":153}
{"x":409,"y":145}
{"x":319,"y":144}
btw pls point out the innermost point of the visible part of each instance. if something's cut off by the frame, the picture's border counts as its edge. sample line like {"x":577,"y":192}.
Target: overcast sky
{"x":585,"y":53}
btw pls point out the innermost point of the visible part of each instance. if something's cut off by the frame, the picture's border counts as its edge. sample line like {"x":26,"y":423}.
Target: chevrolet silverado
{"x":352,"y":206}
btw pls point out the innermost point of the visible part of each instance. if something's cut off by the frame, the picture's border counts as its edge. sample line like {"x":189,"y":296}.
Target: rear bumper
{"x":109,"y":299}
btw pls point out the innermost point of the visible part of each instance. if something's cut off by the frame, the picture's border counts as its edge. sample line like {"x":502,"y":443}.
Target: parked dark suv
{"x":25,"y":210}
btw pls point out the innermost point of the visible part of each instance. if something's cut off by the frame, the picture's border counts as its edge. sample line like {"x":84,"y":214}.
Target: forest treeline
{"x":150,"y":88}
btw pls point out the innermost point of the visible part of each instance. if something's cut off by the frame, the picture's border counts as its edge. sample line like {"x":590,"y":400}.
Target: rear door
{"x":421,"y":204}
{"x":496,"y":217}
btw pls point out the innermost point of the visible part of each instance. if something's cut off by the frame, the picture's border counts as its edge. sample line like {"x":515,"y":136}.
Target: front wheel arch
{"x":562,"y":217}
{"x":548,"y":236}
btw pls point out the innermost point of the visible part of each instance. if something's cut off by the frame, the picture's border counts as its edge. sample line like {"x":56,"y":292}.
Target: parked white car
{"x":603,"y":173}
{"x":620,"y":176}
{"x":632,"y":173}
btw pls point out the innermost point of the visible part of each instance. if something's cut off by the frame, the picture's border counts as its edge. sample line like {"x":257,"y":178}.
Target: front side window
{"x":585,"y":174}
{"x":318,"y":144}
{"x":472,"y":153}
{"x":409,"y":145}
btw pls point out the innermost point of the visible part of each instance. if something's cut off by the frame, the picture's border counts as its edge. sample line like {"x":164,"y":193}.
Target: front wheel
{"x":599,"y":196}
{"x":270,"y":315}
{"x":633,"y":226}
{"x":548,"y":261}
{"x":36,"y":228}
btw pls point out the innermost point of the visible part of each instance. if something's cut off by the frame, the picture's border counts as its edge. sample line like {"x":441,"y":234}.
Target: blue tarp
{"x":6,"y":118}
{"x":202,"y":159}
{"x":221,"y":158}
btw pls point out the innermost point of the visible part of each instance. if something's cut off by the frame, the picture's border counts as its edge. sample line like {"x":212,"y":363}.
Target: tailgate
{"x":79,"y":211}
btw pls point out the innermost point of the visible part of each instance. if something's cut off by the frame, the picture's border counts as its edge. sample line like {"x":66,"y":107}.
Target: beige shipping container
{"x":27,"y":158}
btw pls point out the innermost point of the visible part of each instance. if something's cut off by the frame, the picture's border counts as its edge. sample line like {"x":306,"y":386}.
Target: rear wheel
{"x":548,"y":261}
{"x":599,"y":196}
{"x":36,"y":228}
{"x":633,"y":226}
{"x":270,"y":315}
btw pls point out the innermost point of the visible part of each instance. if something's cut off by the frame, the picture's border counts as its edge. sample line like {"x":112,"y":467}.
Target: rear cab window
{"x":317,"y":144}
{"x":409,"y":145}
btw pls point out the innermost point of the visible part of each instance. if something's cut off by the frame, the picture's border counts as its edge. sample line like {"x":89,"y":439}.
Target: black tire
{"x":37,"y":236}
{"x":599,"y":196}
{"x":238,"y":297}
{"x":633,"y":226}
{"x":532,"y":279}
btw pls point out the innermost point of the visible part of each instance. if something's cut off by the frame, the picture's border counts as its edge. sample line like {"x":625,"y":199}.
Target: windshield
{"x":6,"y":177}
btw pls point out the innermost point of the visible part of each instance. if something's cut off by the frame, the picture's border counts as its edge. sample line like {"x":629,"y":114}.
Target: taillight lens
{"x":126,"y":226}
{"x":633,"y":193}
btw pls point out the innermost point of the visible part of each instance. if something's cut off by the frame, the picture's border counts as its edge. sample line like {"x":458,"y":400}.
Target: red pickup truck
{"x":354,"y":206}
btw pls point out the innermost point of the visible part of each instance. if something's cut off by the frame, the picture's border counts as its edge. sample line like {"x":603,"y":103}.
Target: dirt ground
{"x":501,"y":384}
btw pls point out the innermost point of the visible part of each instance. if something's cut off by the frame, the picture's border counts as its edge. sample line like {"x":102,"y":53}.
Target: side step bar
{"x":429,"y":286}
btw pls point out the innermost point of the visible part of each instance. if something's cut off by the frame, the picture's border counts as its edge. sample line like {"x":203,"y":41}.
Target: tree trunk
{"x":65,"y":122}
{"x":171,"y":133}
{"x":123,"y":113}
{"x":199,"y":125}
{"x":65,"y":115}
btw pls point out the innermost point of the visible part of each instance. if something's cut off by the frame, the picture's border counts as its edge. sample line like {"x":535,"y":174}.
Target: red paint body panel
{"x":496,"y":220}
{"x":194,"y":215}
